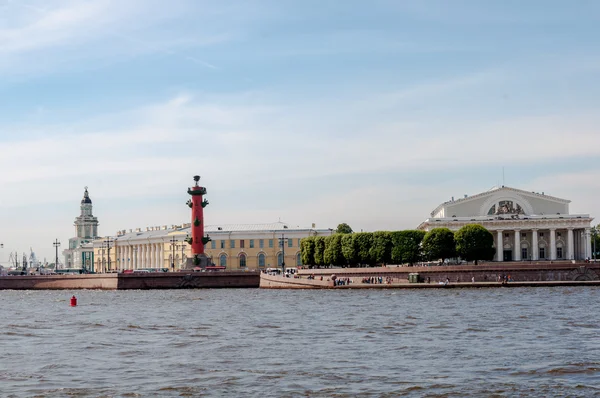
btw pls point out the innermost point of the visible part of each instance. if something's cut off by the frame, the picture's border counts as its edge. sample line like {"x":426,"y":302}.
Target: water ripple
{"x":530,"y":342}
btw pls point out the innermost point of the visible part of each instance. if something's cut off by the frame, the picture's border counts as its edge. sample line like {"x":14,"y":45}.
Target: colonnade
{"x":149,"y":255}
{"x":543,"y":244}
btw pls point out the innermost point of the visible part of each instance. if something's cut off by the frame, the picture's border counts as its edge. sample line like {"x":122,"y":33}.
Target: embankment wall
{"x":519,"y":272}
{"x":155,"y":280}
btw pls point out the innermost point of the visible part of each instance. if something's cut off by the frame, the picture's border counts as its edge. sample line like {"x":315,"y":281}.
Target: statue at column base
{"x":200,"y":260}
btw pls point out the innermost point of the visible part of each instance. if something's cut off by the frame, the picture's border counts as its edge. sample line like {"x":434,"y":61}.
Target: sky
{"x":365,"y":112}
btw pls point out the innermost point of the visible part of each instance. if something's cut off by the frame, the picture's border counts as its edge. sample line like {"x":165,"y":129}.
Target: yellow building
{"x":237,"y":247}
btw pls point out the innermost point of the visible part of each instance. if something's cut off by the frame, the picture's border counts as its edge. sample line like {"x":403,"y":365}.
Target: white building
{"x":80,"y":253}
{"x":237,"y":247}
{"x":526,"y":225}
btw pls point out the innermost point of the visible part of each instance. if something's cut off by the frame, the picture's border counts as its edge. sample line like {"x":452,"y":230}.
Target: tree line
{"x":471,"y":243}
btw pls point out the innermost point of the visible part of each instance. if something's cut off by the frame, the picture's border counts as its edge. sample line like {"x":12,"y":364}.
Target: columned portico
{"x":527,"y":225}
{"x":535,"y":248}
{"x":552,"y":244}
{"x":499,"y":246}
{"x":517,"y":250}
{"x":588,"y":243}
{"x":570,"y":246}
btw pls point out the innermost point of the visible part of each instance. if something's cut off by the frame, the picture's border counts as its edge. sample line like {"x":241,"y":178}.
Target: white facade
{"x":526,"y":225}
{"x":239,"y":246}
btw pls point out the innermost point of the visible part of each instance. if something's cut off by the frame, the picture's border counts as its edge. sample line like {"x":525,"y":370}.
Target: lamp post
{"x":56,"y":245}
{"x":282,"y":244}
{"x":173,"y":243}
{"x":108,"y":241}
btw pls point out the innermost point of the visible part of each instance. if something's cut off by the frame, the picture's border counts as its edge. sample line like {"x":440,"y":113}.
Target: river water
{"x":535,"y":342}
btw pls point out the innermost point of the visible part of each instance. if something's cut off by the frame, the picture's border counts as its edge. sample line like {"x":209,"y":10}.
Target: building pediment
{"x":502,"y":201}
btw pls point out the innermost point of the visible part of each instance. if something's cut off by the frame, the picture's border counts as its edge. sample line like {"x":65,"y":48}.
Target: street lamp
{"x":173,"y":242}
{"x":56,"y":245}
{"x":108,"y":241}
{"x":282,"y":244}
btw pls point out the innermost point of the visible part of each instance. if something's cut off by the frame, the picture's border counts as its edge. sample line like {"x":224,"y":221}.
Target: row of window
{"x":261,"y":243}
{"x":524,"y":235}
{"x":542,"y":253}
{"x":261,"y":260}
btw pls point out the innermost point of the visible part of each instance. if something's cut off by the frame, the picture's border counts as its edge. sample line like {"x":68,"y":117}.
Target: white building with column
{"x":234,"y":247}
{"x":526,"y":225}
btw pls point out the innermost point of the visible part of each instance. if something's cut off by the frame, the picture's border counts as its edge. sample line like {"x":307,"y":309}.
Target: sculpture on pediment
{"x":507,"y":207}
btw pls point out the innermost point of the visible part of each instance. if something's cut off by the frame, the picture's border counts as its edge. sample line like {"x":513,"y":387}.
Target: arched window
{"x":279,"y":259}
{"x":298,"y":259}
{"x":242,"y":260}
{"x":261,"y":260}
{"x":223,"y":260}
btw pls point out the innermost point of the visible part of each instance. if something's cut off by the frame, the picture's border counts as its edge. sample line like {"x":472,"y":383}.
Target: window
{"x":279,"y":259}
{"x":558,"y":234}
{"x":261,"y":243}
{"x":541,"y":234}
{"x":242,"y":243}
{"x":298,"y":242}
{"x":506,"y":235}
{"x":290,"y":243}
{"x":242,"y":261}
{"x":524,"y":235}
{"x":223,"y":260}
{"x":251,"y":243}
{"x":559,"y":253}
{"x":524,"y":253}
{"x":232,"y":244}
{"x":222,"y":244}
{"x":261,"y":260}
{"x":271,"y":243}
{"x":213,"y":244}
{"x":542,"y":252}
{"x":298,"y":259}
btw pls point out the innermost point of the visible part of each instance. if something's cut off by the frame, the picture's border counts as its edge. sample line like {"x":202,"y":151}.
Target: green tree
{"x":406,"y":246}
{"x":363,"y":242}
{"x":333,"y":250}
{"x":595,"y":236}
{"x":439,"y":243}
{"x":474,"y":243}
{"x":307,"y":250}
{"x":381,"y":250}
{"x":320,"y":250}
{"x":349,"y":249}
{"x":344,"y":228}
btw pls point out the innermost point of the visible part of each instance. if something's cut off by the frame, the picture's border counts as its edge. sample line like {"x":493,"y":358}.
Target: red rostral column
{"x":198,"y":240}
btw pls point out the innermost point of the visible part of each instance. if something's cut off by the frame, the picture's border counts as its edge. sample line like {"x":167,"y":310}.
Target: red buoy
{"x":73,"y":301}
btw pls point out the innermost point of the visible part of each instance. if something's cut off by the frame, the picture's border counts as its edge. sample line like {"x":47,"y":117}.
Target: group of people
{"x":341,"y":281}
{"x":504,"y":279}
{"x":376,"y":279}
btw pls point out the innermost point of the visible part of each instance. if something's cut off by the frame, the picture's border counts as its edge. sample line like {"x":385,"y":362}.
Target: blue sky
{"x":370,"y":113}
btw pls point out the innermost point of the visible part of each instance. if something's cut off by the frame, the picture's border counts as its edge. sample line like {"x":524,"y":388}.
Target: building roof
{"x":494,"y":189}
{"x":153,"y":232}
{"x":86,"y":197}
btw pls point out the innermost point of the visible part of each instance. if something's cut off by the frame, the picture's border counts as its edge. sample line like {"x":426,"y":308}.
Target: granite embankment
{"x":485,"y":275}
{"x":152,"y":280}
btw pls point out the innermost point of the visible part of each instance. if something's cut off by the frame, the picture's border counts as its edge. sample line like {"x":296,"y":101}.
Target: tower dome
{"x":86,"y":197}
